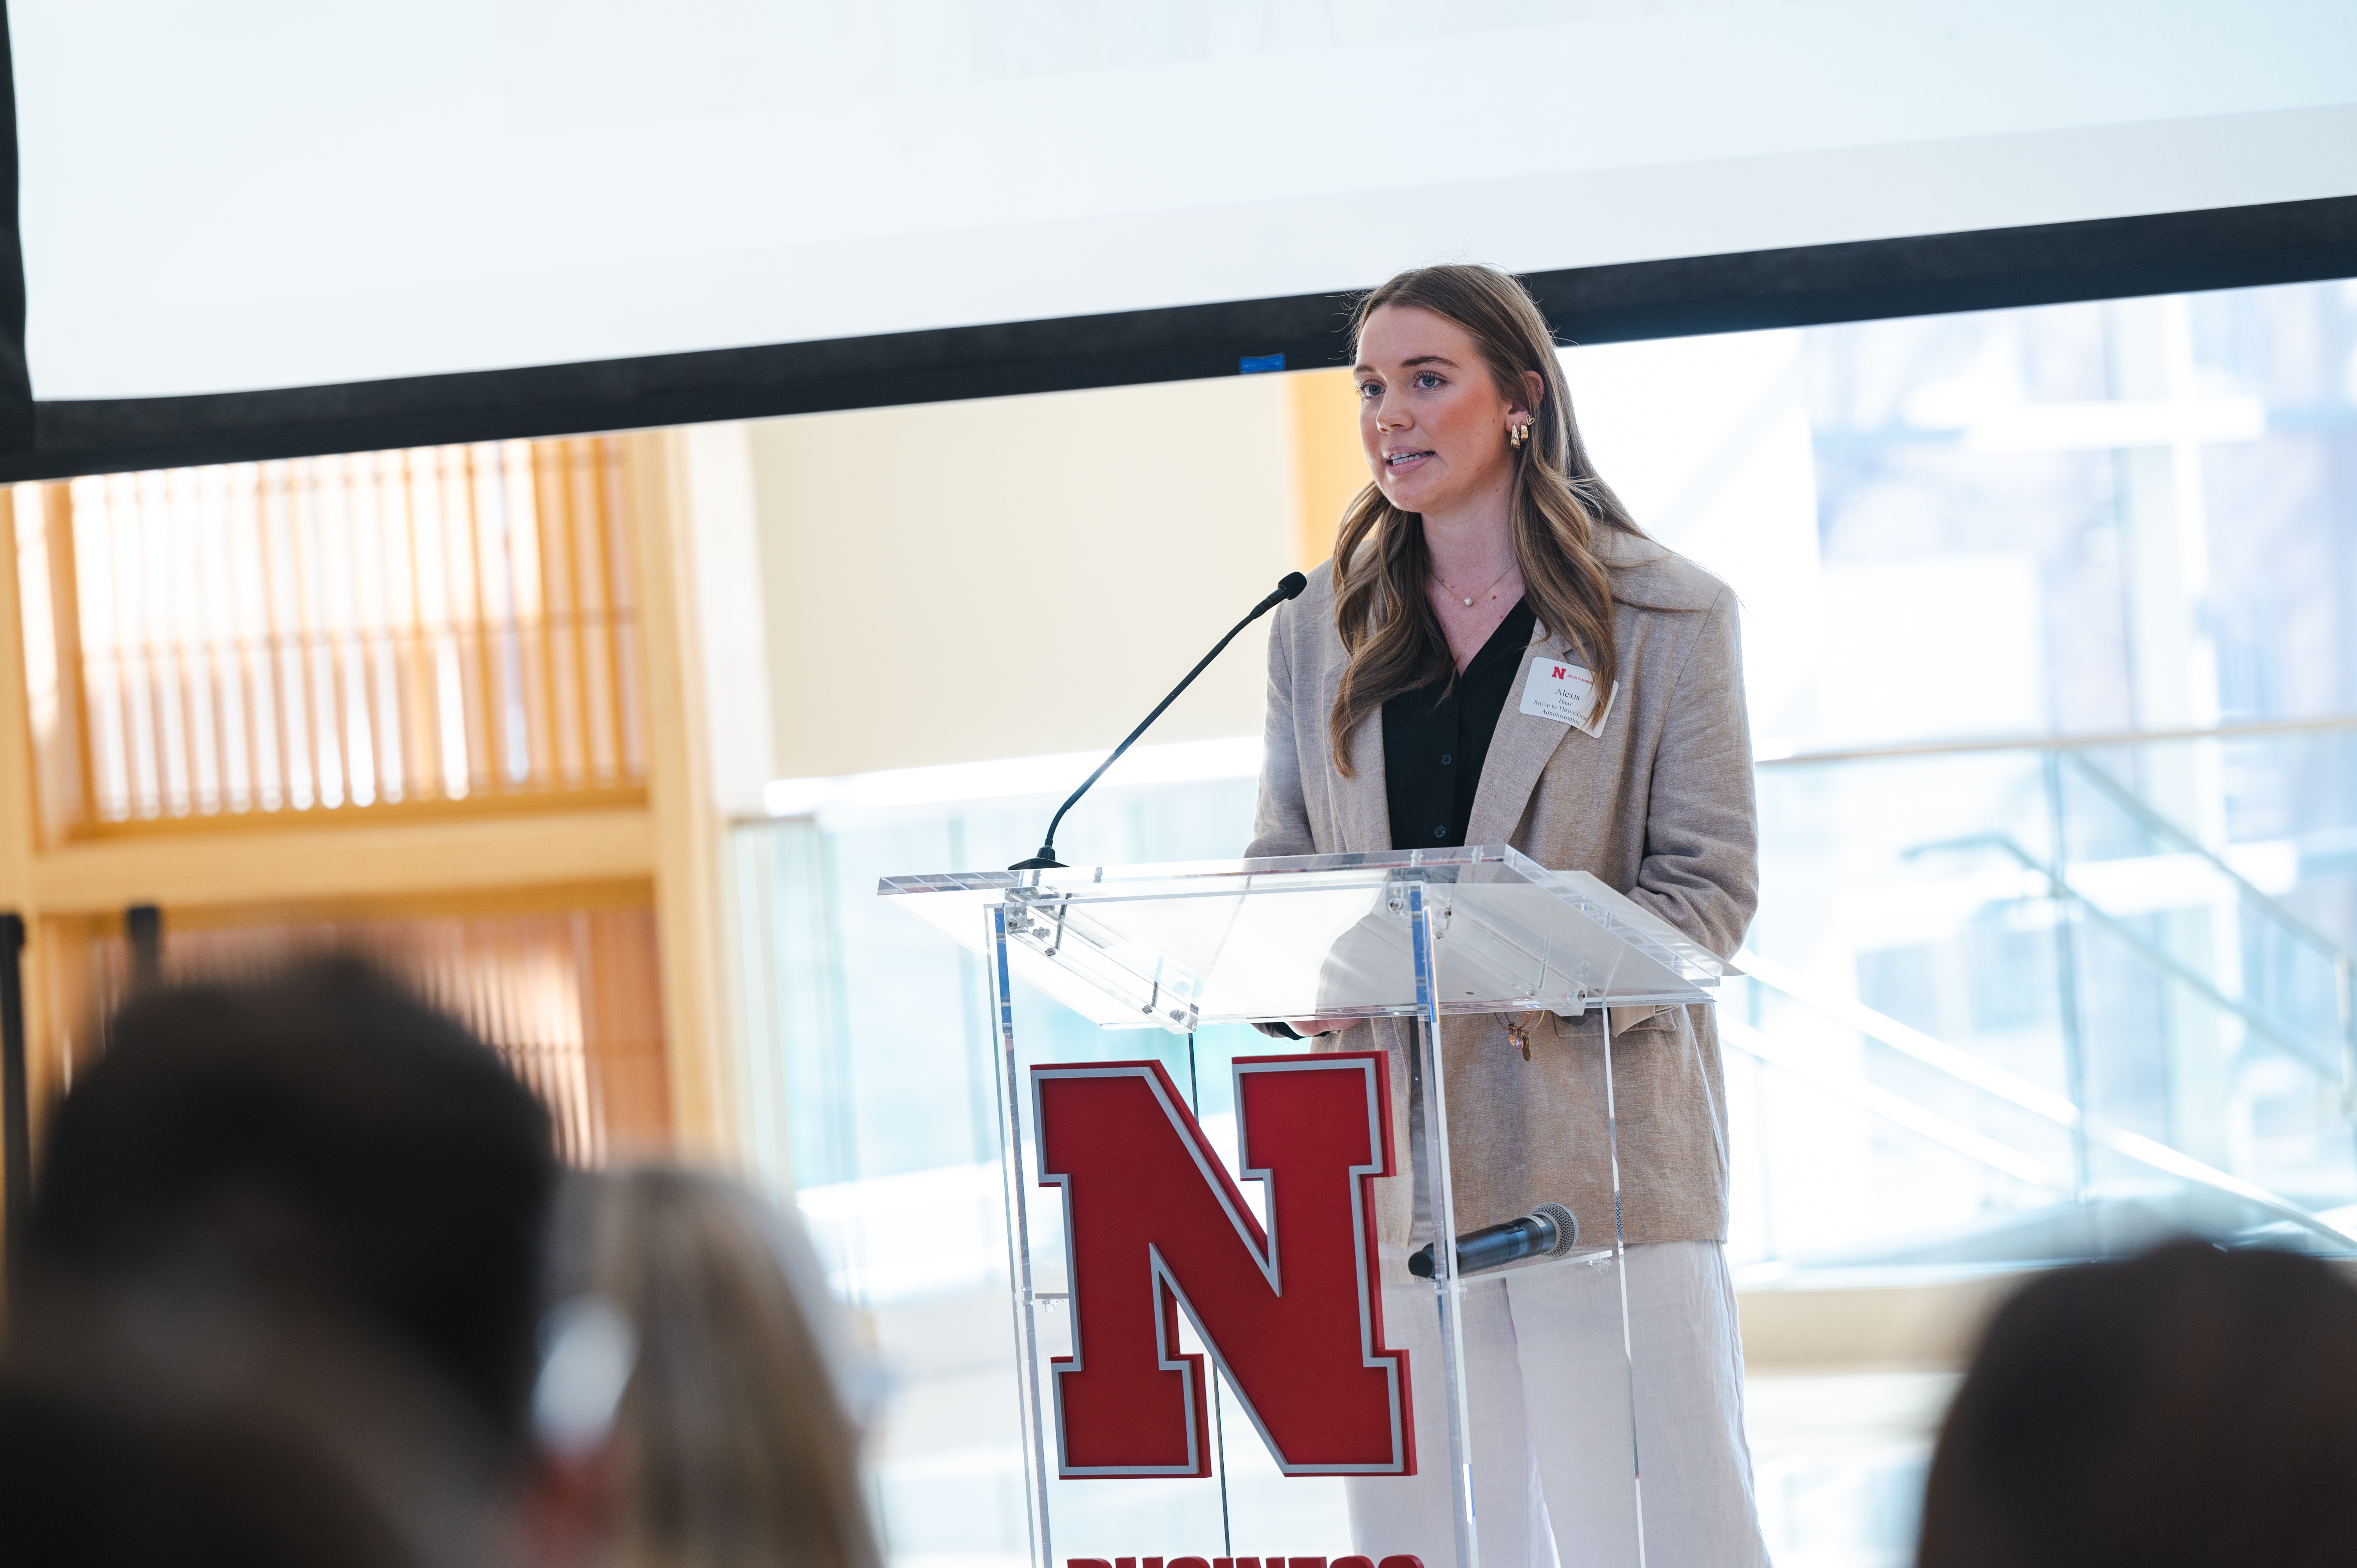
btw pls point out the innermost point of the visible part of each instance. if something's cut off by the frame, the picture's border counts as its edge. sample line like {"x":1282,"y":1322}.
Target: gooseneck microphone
{"x":1550,"y":1229}
{"x":1288,"y":587}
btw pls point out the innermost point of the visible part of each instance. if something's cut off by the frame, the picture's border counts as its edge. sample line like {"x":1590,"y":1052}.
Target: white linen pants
{"x":1557,"y":1472}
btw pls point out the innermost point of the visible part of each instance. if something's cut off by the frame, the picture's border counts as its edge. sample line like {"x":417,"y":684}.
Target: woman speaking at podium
{"x":1413,"y":704}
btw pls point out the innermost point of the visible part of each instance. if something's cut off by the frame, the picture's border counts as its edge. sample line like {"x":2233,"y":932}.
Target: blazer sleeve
{"x":1701,"y":867}
{"x":1281,"y":815}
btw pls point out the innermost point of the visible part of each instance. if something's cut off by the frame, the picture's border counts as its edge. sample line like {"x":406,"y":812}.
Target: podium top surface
{"x":1192,"y":942}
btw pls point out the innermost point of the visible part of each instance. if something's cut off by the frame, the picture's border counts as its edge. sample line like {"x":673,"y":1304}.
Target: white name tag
{"x":1566,"y":693}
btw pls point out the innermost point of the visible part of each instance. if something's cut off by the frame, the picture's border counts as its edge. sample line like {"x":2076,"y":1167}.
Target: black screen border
{"x":2237,"y":247}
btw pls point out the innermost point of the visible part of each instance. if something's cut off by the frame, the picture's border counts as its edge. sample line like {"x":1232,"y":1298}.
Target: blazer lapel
{"x":1362,"y":808}
{"x":1519,"y":751}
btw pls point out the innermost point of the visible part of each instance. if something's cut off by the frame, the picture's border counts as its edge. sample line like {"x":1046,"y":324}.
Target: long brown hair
{"x":741,"y":1452}
{"x":1380,"y":564}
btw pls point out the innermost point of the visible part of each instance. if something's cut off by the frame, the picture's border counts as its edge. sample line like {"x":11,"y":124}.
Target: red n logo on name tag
{"x":1561,"y":673}
{"x":1155,"y":1226}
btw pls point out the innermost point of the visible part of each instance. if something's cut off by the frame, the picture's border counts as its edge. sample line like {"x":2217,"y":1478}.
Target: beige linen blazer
{"x":1659,"y":806}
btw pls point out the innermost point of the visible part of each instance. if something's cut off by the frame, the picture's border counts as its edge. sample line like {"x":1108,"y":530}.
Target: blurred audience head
{"x":2190,"y":1406}
{"x":276,"y":1301}
{"x":167,"y":1482}
{"x":321,"y":1139}
{"x":736,"y":1441}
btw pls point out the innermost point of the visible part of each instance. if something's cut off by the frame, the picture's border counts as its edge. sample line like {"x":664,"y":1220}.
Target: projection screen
{"x":276,"y":193}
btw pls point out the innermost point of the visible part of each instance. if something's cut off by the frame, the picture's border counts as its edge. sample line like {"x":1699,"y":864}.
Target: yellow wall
{"x":1020,"y":576}
{"x":688,"y":832}
{"x":1331,"y":464}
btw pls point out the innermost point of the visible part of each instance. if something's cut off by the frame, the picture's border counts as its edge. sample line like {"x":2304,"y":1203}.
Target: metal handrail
{"x":2344,"y":963}
{"x":2153,"y":956}
{"x":1949,"y":1061}
{"x":1896,"y":1107}
{"x":2074,"y":747}
{"x":2154,"y":822}
{"x":2083,"y":741}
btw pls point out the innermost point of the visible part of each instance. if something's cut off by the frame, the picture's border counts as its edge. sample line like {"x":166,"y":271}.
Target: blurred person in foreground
{"x":275,"y":1303}
{"x":2190,"y":1406}
{"x":735,"y":1441}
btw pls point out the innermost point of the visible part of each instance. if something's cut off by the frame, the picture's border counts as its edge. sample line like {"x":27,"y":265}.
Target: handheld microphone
{"x":1550,"y":1229}
{"x":1288,"y":587}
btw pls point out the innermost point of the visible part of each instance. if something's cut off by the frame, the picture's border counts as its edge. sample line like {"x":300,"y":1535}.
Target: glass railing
{"x":1860,"y":1141}
{"x":2054,"y":982}
{"x":1995,"y":954}
{"x":2248,"y":950}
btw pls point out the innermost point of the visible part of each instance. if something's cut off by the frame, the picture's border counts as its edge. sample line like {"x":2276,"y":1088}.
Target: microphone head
{"x":1566,"y":1223}
{"x":1289,"y":586}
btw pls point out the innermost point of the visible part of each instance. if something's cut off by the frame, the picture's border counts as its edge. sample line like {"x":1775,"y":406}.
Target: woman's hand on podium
{"x":1306,"y":1027}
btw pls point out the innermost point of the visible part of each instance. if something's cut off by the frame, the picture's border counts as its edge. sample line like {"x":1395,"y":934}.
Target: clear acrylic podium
{"x":1152,"y":955}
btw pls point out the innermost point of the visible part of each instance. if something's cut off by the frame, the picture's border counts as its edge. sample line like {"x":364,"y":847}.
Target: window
{"x":424,"y":628}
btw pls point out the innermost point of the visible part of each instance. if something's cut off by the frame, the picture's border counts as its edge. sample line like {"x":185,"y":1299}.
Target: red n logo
{"x":1156,"y":1226}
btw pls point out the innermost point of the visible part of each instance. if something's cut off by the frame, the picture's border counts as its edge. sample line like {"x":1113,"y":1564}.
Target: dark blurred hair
{"x":86,"y":1485}
{"x":2189,"y":1406}
{"x":322,"y":1135}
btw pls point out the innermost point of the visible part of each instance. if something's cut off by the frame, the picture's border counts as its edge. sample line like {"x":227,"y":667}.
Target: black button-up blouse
{"x":1437,"y":737}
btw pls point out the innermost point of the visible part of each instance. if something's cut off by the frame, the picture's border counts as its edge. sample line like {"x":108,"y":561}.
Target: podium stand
{"x":1155,"y":1253}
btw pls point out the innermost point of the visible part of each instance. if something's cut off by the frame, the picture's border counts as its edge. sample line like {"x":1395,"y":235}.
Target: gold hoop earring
{"x":1516,"y":434}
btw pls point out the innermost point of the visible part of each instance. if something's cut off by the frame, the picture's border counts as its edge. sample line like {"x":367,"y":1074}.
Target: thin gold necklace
{"x":1469,"y":603}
